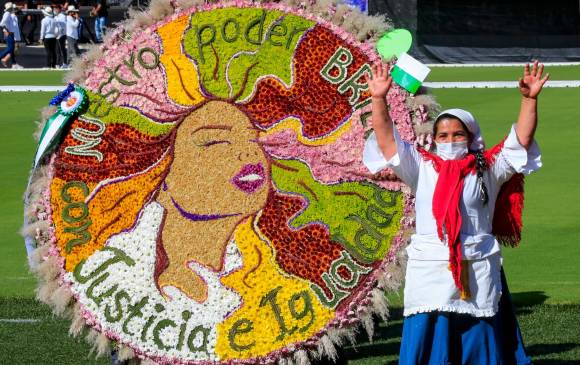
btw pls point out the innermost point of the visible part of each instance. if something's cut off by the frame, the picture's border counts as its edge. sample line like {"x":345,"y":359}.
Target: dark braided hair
{"x":481,"y":166}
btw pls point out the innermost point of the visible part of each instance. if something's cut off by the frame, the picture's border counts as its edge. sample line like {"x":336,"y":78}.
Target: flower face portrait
{"x":211,"y":205}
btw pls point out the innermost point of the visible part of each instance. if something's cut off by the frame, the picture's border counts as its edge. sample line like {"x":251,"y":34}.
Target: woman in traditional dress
{"x":457,"y":306}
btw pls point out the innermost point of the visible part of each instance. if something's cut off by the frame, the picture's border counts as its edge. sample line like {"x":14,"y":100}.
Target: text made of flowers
{"x":146,"y":57}
{"x":254,"y":31}
{"x":336,"y":72}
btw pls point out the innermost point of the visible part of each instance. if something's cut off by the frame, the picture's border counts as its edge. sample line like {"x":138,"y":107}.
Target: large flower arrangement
{"x":210,"y":204}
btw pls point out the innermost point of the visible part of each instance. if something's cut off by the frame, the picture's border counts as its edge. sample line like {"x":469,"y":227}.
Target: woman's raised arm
{"x":379,"y":85}
{"x":530,"y":86}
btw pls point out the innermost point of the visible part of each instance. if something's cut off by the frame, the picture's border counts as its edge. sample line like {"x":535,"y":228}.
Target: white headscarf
{"x":467,"y":118}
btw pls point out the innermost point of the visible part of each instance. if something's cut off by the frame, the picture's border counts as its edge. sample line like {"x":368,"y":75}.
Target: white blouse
{"x":60,"y":23}
{"x":48,"y":28}
{"x":10,"y":22}
{"x":429,"y":284}
{"x":72,"y":27}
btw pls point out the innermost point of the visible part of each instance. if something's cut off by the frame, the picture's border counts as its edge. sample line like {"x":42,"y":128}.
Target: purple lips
{"x":250,"y":178}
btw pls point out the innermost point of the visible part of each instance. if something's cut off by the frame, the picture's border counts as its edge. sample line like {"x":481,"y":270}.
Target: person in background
{"x":60,"y":20}
{"x":28,"y":23}
{"x":100,"y":12}
{"x":72,"y":31}
{"x":48,"y":34}
{"x":9,"y":24}
{"x":84,"y":27}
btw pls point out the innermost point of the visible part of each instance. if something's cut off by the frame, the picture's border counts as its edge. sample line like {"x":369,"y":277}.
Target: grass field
{"x":503,"y":73}
{"x":32,"y":78}
{"x":544,"y":273}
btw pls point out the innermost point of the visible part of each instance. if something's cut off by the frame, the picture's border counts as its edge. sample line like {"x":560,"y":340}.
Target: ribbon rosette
{"x":73,"y":100}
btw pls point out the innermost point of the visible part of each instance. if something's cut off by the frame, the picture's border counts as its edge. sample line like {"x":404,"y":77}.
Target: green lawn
{"x":31,"y":78}
{"x":504,"y":73}
{"x":19,"y":111}
{"x":43,"y":342}
{"x":543,"y":273}
{"x":550,"y":332}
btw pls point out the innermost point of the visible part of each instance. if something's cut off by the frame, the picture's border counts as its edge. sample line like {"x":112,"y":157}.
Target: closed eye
{"x":213,"y":143}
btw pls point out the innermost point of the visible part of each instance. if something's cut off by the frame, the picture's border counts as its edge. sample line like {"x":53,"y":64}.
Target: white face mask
{"x":452,"y":150}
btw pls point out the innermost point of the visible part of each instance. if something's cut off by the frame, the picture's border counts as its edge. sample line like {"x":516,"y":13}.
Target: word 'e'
{"x":299,"y":306}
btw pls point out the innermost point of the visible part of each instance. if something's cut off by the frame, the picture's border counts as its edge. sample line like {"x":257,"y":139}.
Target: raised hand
{"x":532,"y":82}
{"x":380,"y":83}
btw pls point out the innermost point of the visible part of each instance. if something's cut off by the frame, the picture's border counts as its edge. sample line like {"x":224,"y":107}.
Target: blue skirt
{"x":442,"y":338}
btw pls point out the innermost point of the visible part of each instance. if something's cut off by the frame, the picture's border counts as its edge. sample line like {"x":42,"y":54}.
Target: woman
{"x":204,"y":212}
{"x":48,"y":32}
{"x":454,"y":308}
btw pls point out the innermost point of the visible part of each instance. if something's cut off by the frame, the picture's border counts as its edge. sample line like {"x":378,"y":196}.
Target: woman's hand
{"x":379,"y":84}
{"x":531,"y":83}
{"x":530,"y":87}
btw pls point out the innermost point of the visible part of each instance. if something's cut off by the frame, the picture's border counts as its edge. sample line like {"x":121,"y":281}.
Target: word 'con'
{"x":76,"y":214}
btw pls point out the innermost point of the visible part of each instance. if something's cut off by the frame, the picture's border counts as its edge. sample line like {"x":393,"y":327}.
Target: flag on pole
{"x":409,"y":73}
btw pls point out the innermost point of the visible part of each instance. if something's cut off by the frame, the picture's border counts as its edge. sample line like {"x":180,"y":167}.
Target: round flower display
{"x":210,"y":204}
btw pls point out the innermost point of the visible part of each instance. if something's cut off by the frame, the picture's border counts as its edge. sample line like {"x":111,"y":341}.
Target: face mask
{"x":451,"y":151}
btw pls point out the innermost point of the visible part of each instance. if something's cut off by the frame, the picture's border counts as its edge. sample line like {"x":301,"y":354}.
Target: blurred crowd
{"x":61,"y":29}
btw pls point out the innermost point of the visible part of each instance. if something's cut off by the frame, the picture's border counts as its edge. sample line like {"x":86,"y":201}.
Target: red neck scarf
{"x":446,"y":198}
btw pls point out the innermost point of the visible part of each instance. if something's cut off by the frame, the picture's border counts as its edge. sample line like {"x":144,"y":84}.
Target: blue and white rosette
{"x":70,"y":103}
